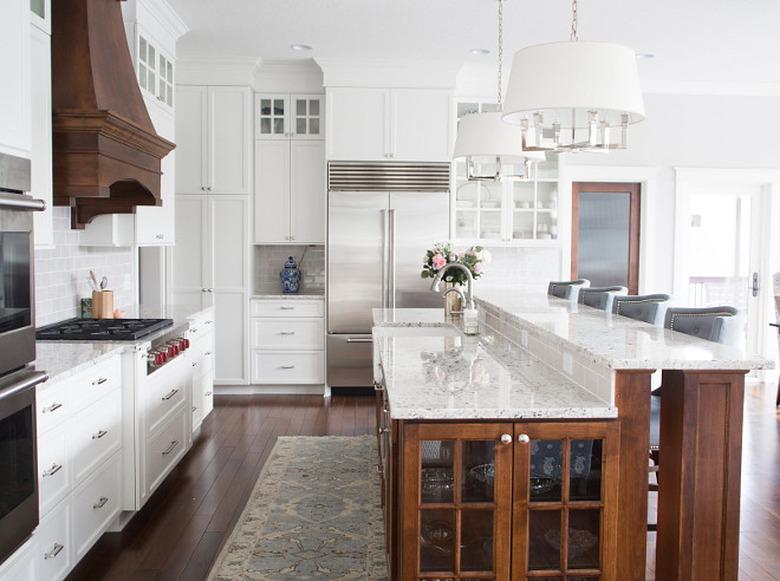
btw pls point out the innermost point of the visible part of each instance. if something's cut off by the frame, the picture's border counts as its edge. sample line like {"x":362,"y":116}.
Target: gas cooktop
{"x":101,"y":329}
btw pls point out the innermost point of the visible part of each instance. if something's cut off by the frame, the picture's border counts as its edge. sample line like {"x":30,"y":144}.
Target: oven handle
{"x":21,"y":202}
{"x":31,"y":380}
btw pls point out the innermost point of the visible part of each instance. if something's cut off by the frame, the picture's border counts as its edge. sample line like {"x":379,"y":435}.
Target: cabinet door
{"x":272,"y":117}
{"x":155,"y":225}
{"x":228,"y":272}
{"x":565,"y":489}
{"x":358,"y":124}
{"x":229,"y":143}
{"x":14,"y":77}
{"x":457,"y":481}
{"x":420,"y":125}
{"x":188,"y":258}
{"x":41,"y":158}
{"x":308,"y":192}
{"x":272,"y":191}
{"x":307,"y":116}
{"x":191,"y":149}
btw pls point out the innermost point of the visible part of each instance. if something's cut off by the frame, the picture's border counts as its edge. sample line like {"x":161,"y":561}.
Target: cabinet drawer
{"x":53,"y":551}
{"x":207,"y":387}
{"x":288,"y":334}
{"x":165,"y":449}
{"x":96,"y":504}
{"x":96,"y":433}
{"x":276,"y":367}
{"x":90,"y":386}
{"x":53,"y":469}
{"x":165,"y":393}
{"x":201,"y":327}
{"x":287,"y":308}
{"x":197,"y":415}
{"x":52,"y":407}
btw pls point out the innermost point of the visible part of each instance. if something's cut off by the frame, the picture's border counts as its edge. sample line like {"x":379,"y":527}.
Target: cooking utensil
{"x":93,"y":277}
{"x":103,"y":283}
{"x":92,"y":284}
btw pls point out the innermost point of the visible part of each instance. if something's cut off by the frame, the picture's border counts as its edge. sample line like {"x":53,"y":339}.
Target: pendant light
{"x":484,"y":139}
{"x":574,"y":96}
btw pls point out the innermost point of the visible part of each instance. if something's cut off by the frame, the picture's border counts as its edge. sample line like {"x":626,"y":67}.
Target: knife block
{"x":103,"y":304}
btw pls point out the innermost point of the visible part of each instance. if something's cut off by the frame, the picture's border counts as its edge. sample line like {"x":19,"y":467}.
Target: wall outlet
{"x":568,"y":364}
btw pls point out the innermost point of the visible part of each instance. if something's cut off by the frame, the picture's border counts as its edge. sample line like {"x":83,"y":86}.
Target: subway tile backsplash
{"x":521,"y":267}
{"x":61,"y":273}
{"x":269,"y":261}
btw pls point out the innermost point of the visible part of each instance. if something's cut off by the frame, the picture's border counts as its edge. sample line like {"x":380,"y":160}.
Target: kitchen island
{"x":493,"y":446}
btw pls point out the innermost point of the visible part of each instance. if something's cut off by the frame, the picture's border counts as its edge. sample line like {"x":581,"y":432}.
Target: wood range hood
{"x":106,"y":151}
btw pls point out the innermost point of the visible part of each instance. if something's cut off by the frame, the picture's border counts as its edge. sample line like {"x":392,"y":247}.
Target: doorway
{"x":605,"y":233}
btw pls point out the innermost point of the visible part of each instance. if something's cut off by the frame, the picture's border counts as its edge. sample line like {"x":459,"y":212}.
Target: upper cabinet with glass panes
{"x":155,"y":72}
{"x":509,"y":212}
{"x":289,"y":116}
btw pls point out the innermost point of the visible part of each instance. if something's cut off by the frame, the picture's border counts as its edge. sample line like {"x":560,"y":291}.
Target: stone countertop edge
{"x":732,"y":358}
{"x":296,"y":296}
{"x":63,"y":360}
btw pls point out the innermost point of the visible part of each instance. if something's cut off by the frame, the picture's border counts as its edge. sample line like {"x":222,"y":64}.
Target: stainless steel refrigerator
{"x":382,"y":217}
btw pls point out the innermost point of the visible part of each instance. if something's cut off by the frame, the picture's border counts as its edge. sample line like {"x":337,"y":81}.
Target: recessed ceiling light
{"x":645,"y":56}
{"x":300,"y":47}
{"x":479,"y":51}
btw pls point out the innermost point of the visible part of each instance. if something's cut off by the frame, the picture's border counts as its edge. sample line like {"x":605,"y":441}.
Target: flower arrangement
{"x":442,"y":254}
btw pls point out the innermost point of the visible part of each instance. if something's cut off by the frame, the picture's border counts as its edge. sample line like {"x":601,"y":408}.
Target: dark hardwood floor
{"x":181,"y":529}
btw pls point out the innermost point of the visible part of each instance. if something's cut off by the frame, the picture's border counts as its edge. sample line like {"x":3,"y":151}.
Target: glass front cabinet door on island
{"x":508,"y":501}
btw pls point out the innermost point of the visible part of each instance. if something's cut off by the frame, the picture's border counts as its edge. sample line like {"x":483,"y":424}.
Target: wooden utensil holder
{"x":103,"y":304}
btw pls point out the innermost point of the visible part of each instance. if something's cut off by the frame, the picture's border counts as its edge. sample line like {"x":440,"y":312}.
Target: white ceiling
{"x":707,"y":41}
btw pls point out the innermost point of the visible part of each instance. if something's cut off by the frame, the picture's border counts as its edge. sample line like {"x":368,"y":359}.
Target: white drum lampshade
{"x":575,"y":95}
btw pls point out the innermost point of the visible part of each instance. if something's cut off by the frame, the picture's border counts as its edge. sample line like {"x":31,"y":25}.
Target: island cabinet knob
{"x":523,"y":438}
{"x":506,"y":438}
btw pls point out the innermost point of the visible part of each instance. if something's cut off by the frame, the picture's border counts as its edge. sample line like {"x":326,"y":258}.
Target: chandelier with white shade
{"x":485,"y":141}
{"x":574,"y":96}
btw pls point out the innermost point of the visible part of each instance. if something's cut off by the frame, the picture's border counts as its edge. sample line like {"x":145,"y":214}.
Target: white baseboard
{"x":270,"y":390}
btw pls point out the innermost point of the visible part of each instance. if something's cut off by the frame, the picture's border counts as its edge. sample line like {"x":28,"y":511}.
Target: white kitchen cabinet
{"x":96,"y":503}
{"x":282,"y":116}
{"x":210,"y":266}
{"x":41,"y":145}
{"x":53,"y":544}
{"x":214,"y":126}
{"x":290,"y":192}
{"x":369,"y":124}
{"x":15,"y":110}
{"x":201,"y":335}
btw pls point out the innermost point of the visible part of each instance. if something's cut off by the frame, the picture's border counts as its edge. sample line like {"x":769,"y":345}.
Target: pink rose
{"x":438,"y":261}
{"x":478,"y":268}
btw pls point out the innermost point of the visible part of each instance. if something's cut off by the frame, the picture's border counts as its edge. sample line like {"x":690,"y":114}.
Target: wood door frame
{"x":635,"y":192}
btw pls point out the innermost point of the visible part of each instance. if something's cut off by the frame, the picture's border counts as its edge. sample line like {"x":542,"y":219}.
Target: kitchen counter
{"x":438,"y":373}
{"x":63,"y":359}
{"x":299,"y":296}
{"x":610,"y":340}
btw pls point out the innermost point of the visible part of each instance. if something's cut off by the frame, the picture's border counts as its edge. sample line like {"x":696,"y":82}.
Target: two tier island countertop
{"x":492,"y":446}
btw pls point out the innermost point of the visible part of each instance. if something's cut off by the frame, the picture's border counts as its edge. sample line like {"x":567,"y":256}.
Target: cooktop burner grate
{"x":101,"y":329}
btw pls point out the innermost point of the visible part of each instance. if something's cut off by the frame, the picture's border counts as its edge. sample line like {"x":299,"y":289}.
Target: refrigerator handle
{"x":385,"y":285}
{"x":392,"y":259}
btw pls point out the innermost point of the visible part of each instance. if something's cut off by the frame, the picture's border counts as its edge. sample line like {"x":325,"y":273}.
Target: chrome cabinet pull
{"x":379,"y":469}
{"x":378,"y":387}
{"x":286,"y":308}
{"x":55,"y":550}
{"x":170,"y":448}
{"x":100,"y":503}
{"x":286,"y":333}
{"x":52,"y":408}
{"x":287,"y":367}
{"x":359,"y":340}
{"x":100,"y":381}
{"x":207,"y":354}
{"x":209,"y":394}
{"x":194,"y":409}
{"x":99,"y":435}
{"x":53,"y":470}
{"x":194,"y":364}
{"x":384,"y":430}
{"x":209,"y":322}
{"x":170,"y":394}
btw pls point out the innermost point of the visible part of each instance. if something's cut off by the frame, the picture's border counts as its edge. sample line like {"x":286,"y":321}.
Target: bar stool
{"x":640,"y":307}
{"x":711,"y":324}
{"x":567,"y":289}
{"x":600,"y":297}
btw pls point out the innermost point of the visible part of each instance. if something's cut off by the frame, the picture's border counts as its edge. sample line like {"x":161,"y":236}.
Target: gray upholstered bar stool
{"x":645,"y":308}
{"x":600,"y":297}
{"x":567,"y":289}
{"x":712,"y":324}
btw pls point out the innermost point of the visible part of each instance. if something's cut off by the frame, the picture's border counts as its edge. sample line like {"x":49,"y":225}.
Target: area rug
{"x":314,"y":514}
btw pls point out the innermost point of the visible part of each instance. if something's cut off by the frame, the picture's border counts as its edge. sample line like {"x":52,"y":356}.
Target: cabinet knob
{"x":506,"y":438}
{"x":523,"y":438}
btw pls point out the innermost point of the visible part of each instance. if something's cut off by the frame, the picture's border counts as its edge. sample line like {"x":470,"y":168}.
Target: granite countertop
{"x":437,"y":373}
{"x":299,"y":296}
{"x":614,"y":341}
{"x":413,"y":318}
{"x":63,"y":359}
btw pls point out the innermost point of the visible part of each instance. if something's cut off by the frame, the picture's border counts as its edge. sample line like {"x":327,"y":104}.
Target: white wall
{"x":693,"y":131}
{"x":61,"y":273}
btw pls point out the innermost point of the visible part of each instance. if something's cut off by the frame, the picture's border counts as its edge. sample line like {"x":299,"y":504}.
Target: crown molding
{"x":354,"y":72}
{"x":168,"y":18}
{"x":203,"y":69}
